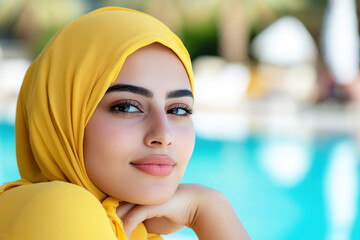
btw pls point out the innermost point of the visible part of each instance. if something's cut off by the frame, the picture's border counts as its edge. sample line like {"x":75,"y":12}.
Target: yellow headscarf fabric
{"x":61,"y":90}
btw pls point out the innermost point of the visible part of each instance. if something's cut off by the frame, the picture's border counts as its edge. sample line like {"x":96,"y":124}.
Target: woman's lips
{"x":156,"y":165}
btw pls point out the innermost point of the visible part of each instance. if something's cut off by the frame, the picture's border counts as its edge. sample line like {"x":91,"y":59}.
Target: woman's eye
{"x":128,"y":108}
{"x":180,"y":111}
{"x":125,"y":108}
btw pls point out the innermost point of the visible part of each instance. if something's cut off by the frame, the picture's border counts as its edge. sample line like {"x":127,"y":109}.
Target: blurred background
{"x":277,"y":92}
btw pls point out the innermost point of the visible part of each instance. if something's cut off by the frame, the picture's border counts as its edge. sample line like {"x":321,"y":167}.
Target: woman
{"x":103,"y":137}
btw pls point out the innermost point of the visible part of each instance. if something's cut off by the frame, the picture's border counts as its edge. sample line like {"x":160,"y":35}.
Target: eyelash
{"x":119,"y":107}
{"x":115,"y":108}
{"x":188,"y":110}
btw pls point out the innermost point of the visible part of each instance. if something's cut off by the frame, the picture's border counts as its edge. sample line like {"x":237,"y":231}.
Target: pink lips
{"x":156,"y":165}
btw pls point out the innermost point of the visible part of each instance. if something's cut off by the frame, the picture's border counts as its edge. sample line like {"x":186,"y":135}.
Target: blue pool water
{"x":282,"y":186}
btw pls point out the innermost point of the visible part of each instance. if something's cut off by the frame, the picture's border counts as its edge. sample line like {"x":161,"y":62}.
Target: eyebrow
{"x":180,"y":93}
{"x":146,"y":92}
{"x":130,"y":88}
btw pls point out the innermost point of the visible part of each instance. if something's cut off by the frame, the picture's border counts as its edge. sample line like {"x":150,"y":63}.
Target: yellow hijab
{"x":64,"y":85}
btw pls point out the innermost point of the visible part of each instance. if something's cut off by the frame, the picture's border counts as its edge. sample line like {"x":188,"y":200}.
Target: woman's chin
{"x":155,"y":197}
{"x":151,"y":193}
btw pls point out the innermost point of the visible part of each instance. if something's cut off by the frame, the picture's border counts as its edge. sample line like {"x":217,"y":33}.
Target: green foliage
{"x":201,"y":39}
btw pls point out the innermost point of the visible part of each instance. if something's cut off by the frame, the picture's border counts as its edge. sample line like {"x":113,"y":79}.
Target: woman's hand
{"x":166,"y":218}
{"x":204,"y":210}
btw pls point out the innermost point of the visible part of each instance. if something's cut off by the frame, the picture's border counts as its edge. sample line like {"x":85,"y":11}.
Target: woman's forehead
{"x":151,"y":65}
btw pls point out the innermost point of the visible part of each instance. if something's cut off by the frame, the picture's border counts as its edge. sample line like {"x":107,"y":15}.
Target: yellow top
{"x":61,"y":90}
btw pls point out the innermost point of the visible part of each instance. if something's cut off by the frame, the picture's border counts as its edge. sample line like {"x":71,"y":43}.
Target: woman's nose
{"x":158,"y":133}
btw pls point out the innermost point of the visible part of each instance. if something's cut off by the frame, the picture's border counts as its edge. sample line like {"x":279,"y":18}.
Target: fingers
{"x":168,"y":217}
{"x":123,"y":209}
{"x":162,"y":225}
{"x":137,"y":215}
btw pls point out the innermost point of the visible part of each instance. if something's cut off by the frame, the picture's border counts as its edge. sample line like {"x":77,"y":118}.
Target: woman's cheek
{"x":121,"y":138}
{"x":111,"y":137}
{"x":186,"y":141}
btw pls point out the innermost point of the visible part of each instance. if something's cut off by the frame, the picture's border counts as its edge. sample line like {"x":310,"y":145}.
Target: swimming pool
{"x":282,"y":186}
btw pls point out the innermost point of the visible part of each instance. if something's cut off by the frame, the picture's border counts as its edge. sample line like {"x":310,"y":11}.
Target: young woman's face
{"x":139,"y":139}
